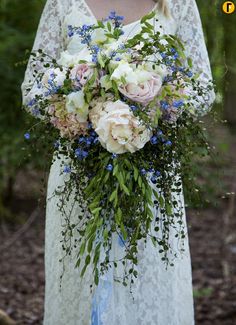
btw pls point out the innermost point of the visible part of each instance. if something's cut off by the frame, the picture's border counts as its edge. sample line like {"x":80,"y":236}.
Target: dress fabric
{"x":159,"y":296}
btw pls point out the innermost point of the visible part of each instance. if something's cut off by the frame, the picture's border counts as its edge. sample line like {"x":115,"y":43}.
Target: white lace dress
{"x":160,"y":296}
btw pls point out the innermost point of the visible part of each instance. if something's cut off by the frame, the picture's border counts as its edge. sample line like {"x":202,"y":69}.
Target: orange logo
{"x":228,"y":7}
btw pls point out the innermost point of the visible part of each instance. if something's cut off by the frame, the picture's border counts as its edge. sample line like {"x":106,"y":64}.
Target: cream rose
{"x":144,"y":92}
{"x":118,"y":129}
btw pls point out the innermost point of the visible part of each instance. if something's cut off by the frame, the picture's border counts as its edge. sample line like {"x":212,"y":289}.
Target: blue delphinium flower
{"x":154,"y":179}
{"x":56,"y":144}
{"x":67,"y":169}
{"x":70,"y":31}
{"x":168,"y":78}
{"x":133,"y":108}
{"x":32,"y":102}
{"x":168,"y":143}
{"x":154,"y":140}
{"x":178,"y":103}
{"x":117,"y":20}
{"x":114,"y":155}
{"x":35,"y":111}
{"x":151,"y":170}
{"x":94,"y":58}
{"x":189,"y":74}
{"x":82,"y":140}
{"x":157,"y":173}
{"x":164,"y":104}
{"x":109,"y":167}
{"x":163,"y":55}
{"x":27,"y":136}
{"x":143,"y":171}
{"x":81,"y":154}
{"x":85,"y":33}
{"x":96,"y":140}
{"x":95,"y":48}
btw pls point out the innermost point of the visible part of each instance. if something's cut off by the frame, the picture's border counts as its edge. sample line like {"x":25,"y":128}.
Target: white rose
{"x":69,"y":60}
{"x":98,"y":36}
{"x":74,"y":45}
{"x":123,"y":69}
{"x":160,"y":69}
{"x":75,"y":103}
{"x":105,"y":82}
{"x":118,"y":129}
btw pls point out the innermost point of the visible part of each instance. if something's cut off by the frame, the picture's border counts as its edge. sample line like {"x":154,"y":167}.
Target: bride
{"x":160,"y":296}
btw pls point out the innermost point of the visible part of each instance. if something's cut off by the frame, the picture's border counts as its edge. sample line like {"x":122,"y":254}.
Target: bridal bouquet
{"x":124,"y":116}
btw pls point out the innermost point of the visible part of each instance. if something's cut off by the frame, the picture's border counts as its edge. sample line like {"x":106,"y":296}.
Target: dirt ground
{"x":212,"y":233}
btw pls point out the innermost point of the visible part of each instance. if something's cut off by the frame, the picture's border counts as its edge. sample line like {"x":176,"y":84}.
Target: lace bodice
{"x":52,"y":37}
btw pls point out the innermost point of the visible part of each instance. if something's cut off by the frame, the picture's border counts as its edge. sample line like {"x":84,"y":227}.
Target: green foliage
{"x":18,"y":22}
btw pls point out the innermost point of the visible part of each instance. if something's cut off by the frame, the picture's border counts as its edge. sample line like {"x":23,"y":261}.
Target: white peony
{"x":75,"y":103}
{"x":118,"y":129}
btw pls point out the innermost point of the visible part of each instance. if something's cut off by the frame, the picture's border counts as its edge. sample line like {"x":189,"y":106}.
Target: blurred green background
{"x":18,"y":23}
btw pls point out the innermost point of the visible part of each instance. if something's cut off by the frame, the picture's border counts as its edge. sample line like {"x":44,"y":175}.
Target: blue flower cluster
{"x":81,"y":154}
{"x":178,"y":103}
{"x":27,"y":136}
{"x":117,"y":20}
{"x":84,"y":32}
{"x":85,"y":143}
{"x":95,"y":50}
{"x":154,"y":174}
{"x":159,"y":137}
{"x":164,"y":104}
{"x":67,"y":169}
{"x":53,"y":89}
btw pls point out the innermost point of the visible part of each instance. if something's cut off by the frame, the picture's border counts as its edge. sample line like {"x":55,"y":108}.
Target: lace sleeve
{"x":190,"y":31}
{"x":49,"y":39}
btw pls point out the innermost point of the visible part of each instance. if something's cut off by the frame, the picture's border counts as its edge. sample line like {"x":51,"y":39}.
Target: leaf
{"x":125,"y":188}
{"x":105,"y":234}
{"x":90,"y":243}
{"x":87,"y":260}
{"x":136,"y":173}
{"x":118,"y":216}
{"x":96,"y":211}
{"x":148,"y":16}
{"x":115,"y":170}
{"x":96,"y":277}
{"x":78,"y":263}
{"x":83,"y":271}
{"x":123,"y":231}
{"x":82,"y":248}
{"x":168,"y":209}
{"x":113,"y":195}
{"x":161,"y":201}
{"x":140,"y":181}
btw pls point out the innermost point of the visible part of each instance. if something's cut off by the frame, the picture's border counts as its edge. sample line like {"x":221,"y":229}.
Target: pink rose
{"x":80,"y":74}
{"x":143,"y":92}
